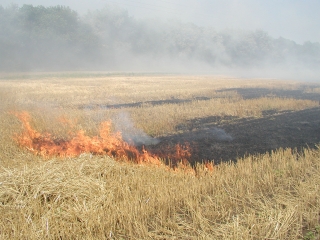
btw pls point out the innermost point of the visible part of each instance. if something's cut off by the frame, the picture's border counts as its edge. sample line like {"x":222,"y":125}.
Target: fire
{"x":106,"y":143}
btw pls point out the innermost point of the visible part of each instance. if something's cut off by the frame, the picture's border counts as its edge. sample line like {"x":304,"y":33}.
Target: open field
{"x":263,"y":136}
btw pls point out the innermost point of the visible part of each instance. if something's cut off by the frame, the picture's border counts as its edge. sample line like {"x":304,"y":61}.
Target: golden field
{"x":270,"y":189}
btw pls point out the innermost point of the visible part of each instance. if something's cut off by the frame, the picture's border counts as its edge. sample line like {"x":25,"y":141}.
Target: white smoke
{"x":220,"y":135}
{"x":130,"y":133}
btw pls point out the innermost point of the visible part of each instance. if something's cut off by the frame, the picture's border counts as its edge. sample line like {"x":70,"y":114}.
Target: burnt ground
{"x":246,"y":93}
{"x":213,"y":139}
{"x":299,"y":93}
{"x":229,"y":138}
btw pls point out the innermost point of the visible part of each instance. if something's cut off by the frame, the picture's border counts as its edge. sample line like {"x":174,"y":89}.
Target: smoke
{"x":130,"y":133}
{"x":109,"y":39}
{"x":220,"y":135}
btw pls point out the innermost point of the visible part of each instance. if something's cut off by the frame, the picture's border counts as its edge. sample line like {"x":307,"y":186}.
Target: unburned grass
{"x":272,"y":196}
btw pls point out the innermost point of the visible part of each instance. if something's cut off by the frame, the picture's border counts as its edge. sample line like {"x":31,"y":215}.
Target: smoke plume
{"x":130,"y":133}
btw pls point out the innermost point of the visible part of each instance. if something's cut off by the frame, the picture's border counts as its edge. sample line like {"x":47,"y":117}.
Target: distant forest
{"x":37,"y":38}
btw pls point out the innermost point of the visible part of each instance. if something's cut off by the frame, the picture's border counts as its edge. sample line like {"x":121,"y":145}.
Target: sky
{"x":298,"y":20}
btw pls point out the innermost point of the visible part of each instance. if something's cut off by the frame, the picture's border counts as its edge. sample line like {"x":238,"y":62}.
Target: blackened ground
{"x":299,"y":93}
{"x":230,"y":138}
{"x":248,"y":136}
{"x":172,"y":100}
{"x":246,"y":93}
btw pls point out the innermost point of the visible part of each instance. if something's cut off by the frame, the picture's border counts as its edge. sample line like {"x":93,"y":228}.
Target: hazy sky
{"x":298,"y":20}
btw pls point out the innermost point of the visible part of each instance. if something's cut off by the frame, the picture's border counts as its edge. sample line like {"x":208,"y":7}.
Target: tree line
{"x":58,"y":38}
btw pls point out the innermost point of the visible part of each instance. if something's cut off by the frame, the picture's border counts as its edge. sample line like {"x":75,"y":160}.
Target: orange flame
{"x":107,"y":143}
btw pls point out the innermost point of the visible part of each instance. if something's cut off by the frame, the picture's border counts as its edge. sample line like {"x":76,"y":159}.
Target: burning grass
{"x":107,"y":143}
{"x":89,"y":186}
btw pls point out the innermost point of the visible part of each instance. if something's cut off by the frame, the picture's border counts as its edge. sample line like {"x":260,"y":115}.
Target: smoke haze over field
{"x":243,"y":38}
{"x":292,"y":19}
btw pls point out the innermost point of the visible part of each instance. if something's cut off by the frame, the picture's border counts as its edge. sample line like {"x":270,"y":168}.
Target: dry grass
{"x":271,"y":196}
{"x":126,"y":89}
{"x":93,"y":99}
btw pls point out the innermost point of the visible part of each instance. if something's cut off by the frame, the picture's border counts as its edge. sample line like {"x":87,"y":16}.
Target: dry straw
{"x":272,"y":196}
